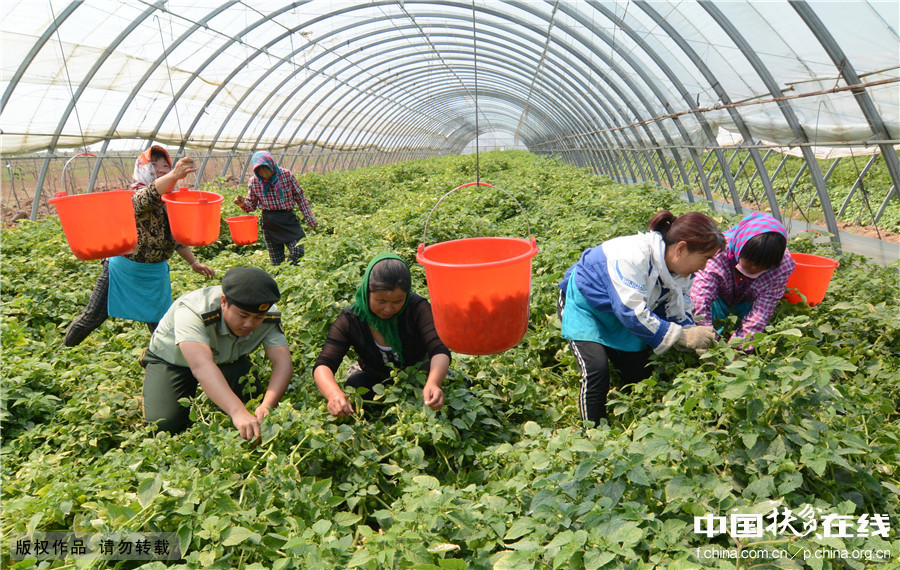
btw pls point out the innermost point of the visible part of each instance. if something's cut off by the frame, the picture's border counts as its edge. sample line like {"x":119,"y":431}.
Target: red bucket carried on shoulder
{"x":194,"y":216}
{"x":479,"y":287}
{"x":97,"y":225}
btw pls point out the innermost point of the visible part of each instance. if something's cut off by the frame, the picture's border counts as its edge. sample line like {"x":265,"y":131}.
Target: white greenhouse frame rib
{"x":71,"y":106}
{"x":723,"y":96}
{"x":845,"y":68}
{"x":614,"y":86}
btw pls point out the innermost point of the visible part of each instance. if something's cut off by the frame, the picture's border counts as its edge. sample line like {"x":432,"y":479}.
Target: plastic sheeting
{"x":402,"y":74}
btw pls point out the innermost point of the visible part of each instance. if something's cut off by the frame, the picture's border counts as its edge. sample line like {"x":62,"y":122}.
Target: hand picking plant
{"x":505,"y":475}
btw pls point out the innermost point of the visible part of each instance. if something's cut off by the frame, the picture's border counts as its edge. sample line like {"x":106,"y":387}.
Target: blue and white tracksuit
{"x":620,"y":301}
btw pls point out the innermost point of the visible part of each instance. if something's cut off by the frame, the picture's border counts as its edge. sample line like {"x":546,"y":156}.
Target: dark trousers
{"x":165,"y":384}
{"x":281,"y":229}
{"x":276,"y":251}
{"x":94,"y":314}
{"x":593,"y":362}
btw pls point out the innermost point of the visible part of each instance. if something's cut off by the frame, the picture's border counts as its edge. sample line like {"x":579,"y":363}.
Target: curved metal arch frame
{"x":845,"y":67}
{"x":257,"y":53}
{"x":437,"y":99}
{"x":582,"y":99}
{"x":36,"y":49}
{"x":150,"y":71}
{"x":209,"y":60}
{"x":786,"y":111}
{"x":499,"y":94}
{"x":407,"y":78}
{"x":610,"y":156}
{"x":442,"y":91}
{"x":502,"y":95}
{"x":363,"y":88}
{"x":676,"y":81}
{"x":622,"y":96}
{"x":624,"y":77}
{"x":498,"y":90}
{"x":122,"y":36}
{"x":292,"y":137}
{"x":715,"y":84}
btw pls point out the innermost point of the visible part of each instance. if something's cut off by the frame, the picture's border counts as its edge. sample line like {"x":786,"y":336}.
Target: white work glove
{"x":697,"y":339}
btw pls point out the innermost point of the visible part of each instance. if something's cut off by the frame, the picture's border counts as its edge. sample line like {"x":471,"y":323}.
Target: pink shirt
{"x":719,"y":279}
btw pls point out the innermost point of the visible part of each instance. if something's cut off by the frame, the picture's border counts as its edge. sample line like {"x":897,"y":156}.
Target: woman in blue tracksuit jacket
{"x":631,"y":295}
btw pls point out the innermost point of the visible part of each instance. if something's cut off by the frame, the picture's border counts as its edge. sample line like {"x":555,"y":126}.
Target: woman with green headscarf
{"x":387,"y":325}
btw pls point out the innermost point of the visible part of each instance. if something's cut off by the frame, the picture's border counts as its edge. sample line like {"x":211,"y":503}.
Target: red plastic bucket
{"x":194,"y":216}
{"x":244,"y":229}
{"x":97,"y":225}
{"x":479,"y":290}
{"x":811,"y":277}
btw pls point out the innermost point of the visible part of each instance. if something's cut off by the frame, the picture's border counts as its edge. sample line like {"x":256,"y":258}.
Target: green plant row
{"x":504,"y":476}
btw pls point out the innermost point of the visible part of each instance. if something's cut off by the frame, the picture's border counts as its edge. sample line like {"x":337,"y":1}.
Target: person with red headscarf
{"x":136,"y":285}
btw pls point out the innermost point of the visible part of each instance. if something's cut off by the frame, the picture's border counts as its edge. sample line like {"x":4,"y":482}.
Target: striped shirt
{"x":719,"y":279}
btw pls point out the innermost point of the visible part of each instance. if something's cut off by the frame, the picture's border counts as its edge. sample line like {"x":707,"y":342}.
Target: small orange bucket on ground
{"x":479,"y":288}
{"x":811,"y":277}
{"x":244,"y":229}
{"x":97,"y":225}
{"x":194,"y":216}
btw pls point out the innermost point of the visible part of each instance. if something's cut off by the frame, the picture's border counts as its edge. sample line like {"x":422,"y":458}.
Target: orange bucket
{"x":194,"y":216}
{"x":479,"y":289}
{"x":97,"y":225}
{"x":244,"y":229}
{"x":811,"y":277}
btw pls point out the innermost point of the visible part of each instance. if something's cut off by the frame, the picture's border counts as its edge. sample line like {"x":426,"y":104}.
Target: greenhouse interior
{"x":403,"y":123}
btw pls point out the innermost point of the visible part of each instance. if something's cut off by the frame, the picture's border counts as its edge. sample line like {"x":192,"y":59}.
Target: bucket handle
{"x":466,"y":185}
{"x":66,"y":165}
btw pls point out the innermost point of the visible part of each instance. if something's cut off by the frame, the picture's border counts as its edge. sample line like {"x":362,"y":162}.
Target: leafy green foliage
{"x":504,"y":476}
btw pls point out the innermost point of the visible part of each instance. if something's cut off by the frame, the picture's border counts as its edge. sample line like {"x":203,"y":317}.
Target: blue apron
{"x":138,"y":291}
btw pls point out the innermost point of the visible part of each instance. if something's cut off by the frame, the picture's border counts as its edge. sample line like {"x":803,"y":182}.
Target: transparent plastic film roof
{"x":661,"y":82}
{"x":236,"y":75}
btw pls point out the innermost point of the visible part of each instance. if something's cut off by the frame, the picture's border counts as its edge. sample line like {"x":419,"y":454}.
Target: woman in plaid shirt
{"x":747,"y":278}
{"x":275,"y":191}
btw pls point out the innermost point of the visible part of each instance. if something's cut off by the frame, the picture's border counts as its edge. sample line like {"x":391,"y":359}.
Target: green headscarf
{"x":387,"y":327}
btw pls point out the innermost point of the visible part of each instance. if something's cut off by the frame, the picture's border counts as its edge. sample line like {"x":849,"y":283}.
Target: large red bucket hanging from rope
{"x":98,"y":224}
{"x":479,"y":288}
{"x":194,"y":216}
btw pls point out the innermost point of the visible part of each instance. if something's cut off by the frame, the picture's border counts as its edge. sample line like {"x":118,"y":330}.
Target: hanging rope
{"x":69,"y":80}
{"x":475,"y":61}
{"x":171,"y":84}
